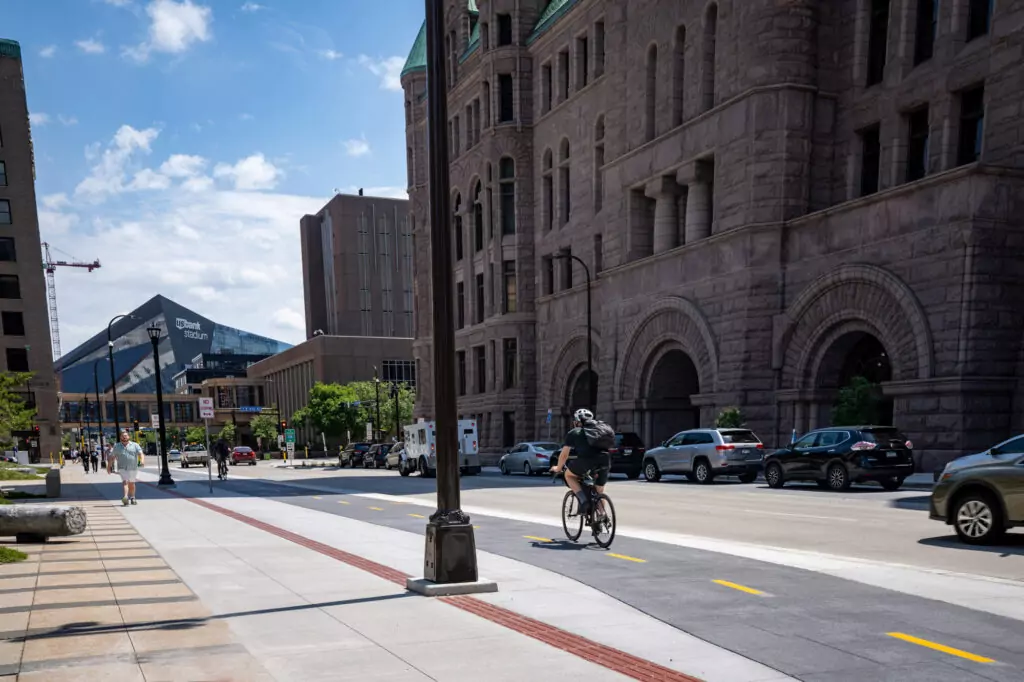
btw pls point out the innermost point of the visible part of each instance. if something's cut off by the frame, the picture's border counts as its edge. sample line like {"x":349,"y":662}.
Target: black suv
{"x":376,"y":456}
{"x":353,"y":454}
{"x":837,"y":456}
{"x":627,"y":455}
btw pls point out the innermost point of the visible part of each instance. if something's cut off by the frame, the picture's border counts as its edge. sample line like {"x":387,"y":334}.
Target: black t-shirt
{"x":577,"y":440}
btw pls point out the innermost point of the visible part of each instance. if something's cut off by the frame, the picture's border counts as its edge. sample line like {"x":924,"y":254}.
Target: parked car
{"x":704,"y":454}
{"x":174,"y":455}
{"x":982,"y":495}
{"x":194,"y":455}
{"x":529,"y":458}
{"x":628,"y":454}
{"x":353,"y":454}
{"x":376,"y":456}
{"x":243,"y":455}
{"x":393,"y":460}
{"x":836,"y":457}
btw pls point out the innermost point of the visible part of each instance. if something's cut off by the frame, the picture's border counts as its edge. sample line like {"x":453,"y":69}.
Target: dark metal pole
{"x":376,"y":421}
{"x":99,"y":406}
{"x":394,"y":392}
{"x":88,"y":423}
{"x":165,"y":472}
{"x":450,"y":546}
{"x":591,"y":378}
{"x":113,"y":379}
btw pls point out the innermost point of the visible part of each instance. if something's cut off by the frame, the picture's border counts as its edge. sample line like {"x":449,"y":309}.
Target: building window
{"x":507,"y":183}
{"x":567,"y":264}
{"x":476,"y":121}
{"x":490,"y":290}
{"x":10,"y":287}
{"x":878,"y":40}
{"x":17,"y":360}
{"x":479,"y":305}
{"x":548,"y":191}
{"x":409,"y":166}
{"x":582,"y":61}
{"x":506,"y":110}
{"x":3,"y":174}
{"x":979,"y":15}
{"x":545,"y":88}
{"x":478,"y":217}
{"x":456,"y":128}
{"x":598,"y":49}
{"x":917,"y":144}
{"x":972,"y":120}
{"x":549,"y":275}
{"x":563,"y":75}
{"x":460,"y":305}
{"x":599,"y":164}
{"x":457,"y":226}
{"x":678,"y":76}
{"x":487,"y":104}
{"x":510,"y":357}
{"x":871,"y":157}
{"x":13,"y":323}
{"x":927,"y":27}
{"x":480,"y":356}
{"x":508,"y":429}
{"x":504,"y":29}
{"x":470,"y":132}
{"x":7,"y":252}
{"x":399,"y":372}
{"x":598,"y":253}
{"x":651,"y":94}
{"x":460,"y":371}
{"x":508,"y":278}
{"x":564,"y":189}
{"x":710,"y":50}
{"x":485,"y":36}
{"x":5,"y":212}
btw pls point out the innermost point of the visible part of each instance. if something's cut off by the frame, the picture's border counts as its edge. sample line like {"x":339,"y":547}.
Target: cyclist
{"x":220,"y":451}
{"x":589,"y":440}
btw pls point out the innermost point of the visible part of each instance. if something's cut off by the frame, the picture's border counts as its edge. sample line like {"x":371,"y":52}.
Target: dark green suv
{"x":982,"y":495}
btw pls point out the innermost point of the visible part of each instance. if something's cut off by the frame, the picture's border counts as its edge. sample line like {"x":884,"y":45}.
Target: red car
{"x":243,"y":454}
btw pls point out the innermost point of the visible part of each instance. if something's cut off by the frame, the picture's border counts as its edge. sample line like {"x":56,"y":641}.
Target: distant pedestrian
{"x":94,"y":458}
{"x":125,"y":456}
{"x":85,"y":460}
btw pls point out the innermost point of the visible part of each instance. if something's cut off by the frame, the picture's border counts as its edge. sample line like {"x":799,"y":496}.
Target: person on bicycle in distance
{"x":220,"y":451}
{"x":589,"y":440}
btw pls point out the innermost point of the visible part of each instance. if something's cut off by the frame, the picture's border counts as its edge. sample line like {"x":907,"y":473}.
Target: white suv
{"x":703,"y":454}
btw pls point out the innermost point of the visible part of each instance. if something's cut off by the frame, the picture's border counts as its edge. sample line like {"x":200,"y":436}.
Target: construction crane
{"x":50,"y":266}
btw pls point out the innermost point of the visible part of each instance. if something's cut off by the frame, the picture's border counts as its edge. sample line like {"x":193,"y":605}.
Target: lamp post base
{"x":450,"y":555}
{"x":166,"y":480}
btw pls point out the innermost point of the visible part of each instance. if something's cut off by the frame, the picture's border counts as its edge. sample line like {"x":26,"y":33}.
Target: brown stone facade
{"x":771,"y":198}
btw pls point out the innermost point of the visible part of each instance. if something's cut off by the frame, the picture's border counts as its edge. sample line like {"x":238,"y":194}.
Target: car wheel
{"x":252,"y":463}
{"x":403,"y":470}
{"x":978,"y":519}
{"x":527,"y":469}
{"x":425,"y":472}
{"x":702,"y":472}
{"x":504,"y":469}
{"x":891,"y":484}
{"x":651,"y":471}
{"x":773,"y":475}
{"x":838,"y":477}
{"x":633,"y":475}
{"x":184,"y":465}
{"x":748,"y":477}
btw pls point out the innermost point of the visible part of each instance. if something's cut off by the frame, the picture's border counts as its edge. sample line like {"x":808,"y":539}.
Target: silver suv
{"x":703,"y":454}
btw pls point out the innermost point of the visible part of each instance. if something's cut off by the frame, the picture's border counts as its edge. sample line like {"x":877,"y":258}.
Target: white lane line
{"x":799,"y":516}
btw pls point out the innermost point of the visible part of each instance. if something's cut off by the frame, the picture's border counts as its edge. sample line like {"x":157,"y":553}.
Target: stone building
{"x":771,"y":197}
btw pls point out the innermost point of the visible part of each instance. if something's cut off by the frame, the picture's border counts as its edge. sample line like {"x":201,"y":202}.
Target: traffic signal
{"x":284,"y":425}
{"x":35,"y":430}
{"x":136,"y":424}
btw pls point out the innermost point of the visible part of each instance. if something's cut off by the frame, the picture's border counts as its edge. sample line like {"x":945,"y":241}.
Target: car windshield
{"x":362,"y":447}
{"x":739,"y":437}
{"x":882,"y":435}
{"x":546,"y":447}
{"x":628,"y":439}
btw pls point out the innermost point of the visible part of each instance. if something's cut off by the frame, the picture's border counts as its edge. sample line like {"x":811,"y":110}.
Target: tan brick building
{"x":773,"y":197}
{"x":25,"y":323}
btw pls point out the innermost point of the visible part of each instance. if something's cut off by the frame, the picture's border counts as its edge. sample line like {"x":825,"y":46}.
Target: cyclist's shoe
{"x":124,"y":501}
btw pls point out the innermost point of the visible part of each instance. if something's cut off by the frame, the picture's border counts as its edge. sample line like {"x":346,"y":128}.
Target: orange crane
{"x":50,"y":266}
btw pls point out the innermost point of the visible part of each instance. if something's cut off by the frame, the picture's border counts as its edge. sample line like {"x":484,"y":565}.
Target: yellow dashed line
{"x":537,"y":539}
{"x":736,"y":586}
{"x":940,"y":647}
{"x":342,"y":502}
{"x":628,"y":558}
{"x":317,"y":497}
{"x":376,"y":509}
{"x":418,"y":516}
{"x":476,"y":526}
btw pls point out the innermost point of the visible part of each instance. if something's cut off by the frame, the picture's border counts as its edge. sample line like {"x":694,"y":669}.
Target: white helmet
{"x":583,"y":415}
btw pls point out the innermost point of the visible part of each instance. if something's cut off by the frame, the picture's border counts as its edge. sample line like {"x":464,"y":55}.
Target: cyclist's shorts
{"x":598,"y":467}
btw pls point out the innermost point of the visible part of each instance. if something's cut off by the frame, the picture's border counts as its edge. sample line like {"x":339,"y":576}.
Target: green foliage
{"x":264,"y":427}
{"x":227,"y":433}
{"x":857,"y":403}
{"x":14,"y":415}
{"x":15,"y":475}
{"x":195,"y":434}
{"x":9,"y":556}
{"x":332,"y":408}
{"x":729,"y":418}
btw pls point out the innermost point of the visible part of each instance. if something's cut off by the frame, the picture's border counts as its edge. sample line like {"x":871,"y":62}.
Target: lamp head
{"x":154,"y":332}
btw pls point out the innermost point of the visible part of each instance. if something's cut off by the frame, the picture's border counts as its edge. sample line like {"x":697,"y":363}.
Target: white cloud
{"x":183,"y":166}
{"x":245,"y":117}
{"x":90,"y":46}
{"x":174,"y":27}
{"x":38,"y":119}
{"x":148,"y":179}
{"x":200,"y":184}
{"x":55,"y":202}
{"x":290,"y":318}
{"x":388,"y":69}
{"x":67,"y":120}
{"x":48,"y":51}
{"x":251,"y":173}
{"x":330,"y":54}
{"x":358,"y":147}
{"x":118,"y":3}
{"x":252,"y":7}
{"x":109,"y":174}
{"x":386,"y":192}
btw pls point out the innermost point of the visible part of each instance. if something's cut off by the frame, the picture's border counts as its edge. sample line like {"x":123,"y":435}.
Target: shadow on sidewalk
{"x":1012,"y":544}
{"x":93,"y":628}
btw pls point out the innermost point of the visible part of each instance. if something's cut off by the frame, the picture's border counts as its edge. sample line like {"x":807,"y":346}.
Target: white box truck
{"x":421,"y":448}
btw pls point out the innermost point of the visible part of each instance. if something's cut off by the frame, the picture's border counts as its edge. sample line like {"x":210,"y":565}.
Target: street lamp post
{"x":165,"y":472}
{"x":591,"y":379}
{"x":113,"y":379}
{"x":450,"y":555}
{"x":394,"y":396}
{"x":99,"y":406}
{"x":376,"y":420}
{"x":88,"y":424}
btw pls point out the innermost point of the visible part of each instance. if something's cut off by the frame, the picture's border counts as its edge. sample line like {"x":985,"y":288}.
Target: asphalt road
{"x":809,"y":625}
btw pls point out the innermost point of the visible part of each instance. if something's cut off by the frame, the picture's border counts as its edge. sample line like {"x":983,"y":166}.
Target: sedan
{"x":530,"y":458}
{"x":353,"y":454}
{"x":376,"y":456}
{"x":243,"y":455}
{"x":982,"y":495}
{"x":394,"y":457}
{"x":174,"y":455}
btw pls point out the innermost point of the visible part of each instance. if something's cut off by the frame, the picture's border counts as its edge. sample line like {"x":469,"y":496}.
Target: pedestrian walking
{"x":94,"y":458}
{"x":125,"y":456}
{"x":85,"y":460}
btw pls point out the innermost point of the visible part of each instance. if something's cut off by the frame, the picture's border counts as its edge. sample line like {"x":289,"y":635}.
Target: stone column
{"x":799,"y":417}
{"x":698,"y":201}
{"x":666,"y":217}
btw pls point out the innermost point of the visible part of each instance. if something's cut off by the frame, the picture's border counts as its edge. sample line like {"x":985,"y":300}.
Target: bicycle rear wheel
{"x":603,"y":522}
{"x":572,"y":520}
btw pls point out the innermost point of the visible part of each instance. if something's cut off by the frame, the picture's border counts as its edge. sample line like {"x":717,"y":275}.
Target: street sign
{"x":369,"y":430}
{"x":206,"y":408}
{"x":549,"y":415}
{"x":291,"y":449}
{"x":155,"y":418}
{"x":250,"y":408}
{"x":289,"y":436}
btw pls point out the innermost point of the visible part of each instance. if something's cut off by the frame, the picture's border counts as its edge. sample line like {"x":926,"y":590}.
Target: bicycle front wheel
{"x":572,"y":520}
{"x":603,"y":524}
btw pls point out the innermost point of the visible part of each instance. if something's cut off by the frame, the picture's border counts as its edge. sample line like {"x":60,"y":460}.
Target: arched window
{"x":598,"y":164}
{"x":490,"y":201}
{"x":678,"y":76}
{"x":507,"y":189}
{"x":457,"y":225}
{"x":650,"y":103}
{"x":564,"y":190}
{"x":410,"y":163}
{"x":548,"y":191}
{"x":710,"y":39}
{"x":478,"y":217}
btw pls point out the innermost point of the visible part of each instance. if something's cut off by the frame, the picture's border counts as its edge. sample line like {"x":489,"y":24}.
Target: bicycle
{"x":222,"y":469}
{"x":600,"y":516}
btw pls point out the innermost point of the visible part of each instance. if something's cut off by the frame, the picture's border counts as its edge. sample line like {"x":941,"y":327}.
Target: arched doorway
{"x":579,"y":396}
{"x":854,"y":356}
{"x":671,"y":383}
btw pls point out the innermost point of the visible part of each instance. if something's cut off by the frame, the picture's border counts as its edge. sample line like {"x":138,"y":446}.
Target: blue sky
{"x":180,"y":141}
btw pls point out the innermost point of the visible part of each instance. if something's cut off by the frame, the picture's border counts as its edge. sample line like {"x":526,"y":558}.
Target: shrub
{"x":729,"y":418}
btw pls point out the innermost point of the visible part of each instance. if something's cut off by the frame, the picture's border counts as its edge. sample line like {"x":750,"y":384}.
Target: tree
{"x":331,"y":410}
{"x":367,"y":411}
{"x":729,"y":418}
{"x":195,"y":434}
{"x":14,"y":415}
{"x":264,"y":428}
{"x":227,"y":433}
{"x":857,"y":403}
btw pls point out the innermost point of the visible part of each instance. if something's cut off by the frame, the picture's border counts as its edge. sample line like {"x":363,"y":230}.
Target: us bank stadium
{"x":197,"y":357}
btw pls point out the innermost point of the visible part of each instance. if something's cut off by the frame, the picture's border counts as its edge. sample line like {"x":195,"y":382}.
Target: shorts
{"x":128,"y":475}
{"x":598,"y":465}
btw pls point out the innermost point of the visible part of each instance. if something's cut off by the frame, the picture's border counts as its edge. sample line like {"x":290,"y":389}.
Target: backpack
{"x":600,"y":436}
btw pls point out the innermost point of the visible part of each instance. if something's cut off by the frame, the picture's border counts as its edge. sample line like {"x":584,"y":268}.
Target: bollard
{"x":53,"y":483}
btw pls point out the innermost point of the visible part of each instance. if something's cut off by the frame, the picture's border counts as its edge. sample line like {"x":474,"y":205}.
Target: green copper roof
{"x":10,"y":48}
{"x":474,"y":41}
{"x":552,"y":13}
{"x":418,"y":54}
{"x":471,"y":6}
